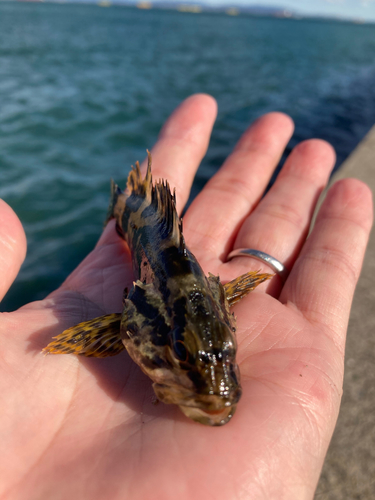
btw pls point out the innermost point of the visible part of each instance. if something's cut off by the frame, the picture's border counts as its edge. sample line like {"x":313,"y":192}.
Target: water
{"x":84,"y":91}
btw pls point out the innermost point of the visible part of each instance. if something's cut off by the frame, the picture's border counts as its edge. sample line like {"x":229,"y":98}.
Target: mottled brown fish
{"x":176,"y":324}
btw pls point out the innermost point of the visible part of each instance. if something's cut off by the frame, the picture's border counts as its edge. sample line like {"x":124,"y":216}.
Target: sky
{"x":358,"y":9}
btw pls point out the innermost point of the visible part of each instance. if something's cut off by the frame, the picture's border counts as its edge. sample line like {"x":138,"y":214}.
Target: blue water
{"x":84,"y":91}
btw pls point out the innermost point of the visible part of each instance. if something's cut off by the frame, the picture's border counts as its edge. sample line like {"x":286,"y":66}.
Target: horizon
{"x":350,"y":9}
{"x":357,"y":10}
{"x":354,"y":9}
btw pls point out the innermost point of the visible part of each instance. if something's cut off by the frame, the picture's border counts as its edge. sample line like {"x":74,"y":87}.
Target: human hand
{"x":88,"y":428}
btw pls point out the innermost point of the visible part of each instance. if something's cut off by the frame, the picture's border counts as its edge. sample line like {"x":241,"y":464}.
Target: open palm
{"x":73,"y":427}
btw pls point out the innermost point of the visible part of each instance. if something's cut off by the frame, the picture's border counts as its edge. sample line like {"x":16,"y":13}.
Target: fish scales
{"x":176,"y":323}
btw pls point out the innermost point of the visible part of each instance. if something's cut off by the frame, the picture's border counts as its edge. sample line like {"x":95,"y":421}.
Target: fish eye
{"x":180,"y":350}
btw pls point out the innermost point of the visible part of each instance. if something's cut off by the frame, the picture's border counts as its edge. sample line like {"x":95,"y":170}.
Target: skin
{"x":88,"y":428}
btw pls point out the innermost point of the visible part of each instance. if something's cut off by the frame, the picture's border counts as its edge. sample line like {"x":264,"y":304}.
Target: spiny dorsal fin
{"x":161,"y":198}
{"x":165,"y":204}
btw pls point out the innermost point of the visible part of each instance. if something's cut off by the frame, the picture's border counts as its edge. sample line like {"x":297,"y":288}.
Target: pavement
{"x":349,"y":468}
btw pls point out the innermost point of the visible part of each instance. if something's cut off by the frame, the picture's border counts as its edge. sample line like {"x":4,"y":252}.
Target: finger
{"x":233,"y":192}
{"x":323,"y":278}
{"x":182,"y":144}
{"x":279,"y":224}
{"x":12,"y":247}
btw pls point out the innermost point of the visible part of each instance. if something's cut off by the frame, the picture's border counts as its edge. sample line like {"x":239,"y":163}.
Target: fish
{"x":176,"y":322}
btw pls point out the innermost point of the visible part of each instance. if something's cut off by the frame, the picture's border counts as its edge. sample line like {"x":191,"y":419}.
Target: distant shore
{"x":196,"y":7}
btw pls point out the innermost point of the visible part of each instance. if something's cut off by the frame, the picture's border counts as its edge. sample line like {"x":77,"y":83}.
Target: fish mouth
{"x":209,"y":417}
{"x":208,"y":409}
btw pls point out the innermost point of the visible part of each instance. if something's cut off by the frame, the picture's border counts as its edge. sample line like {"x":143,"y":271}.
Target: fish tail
{"x":135,"y":185}
{"x":138,"y":186}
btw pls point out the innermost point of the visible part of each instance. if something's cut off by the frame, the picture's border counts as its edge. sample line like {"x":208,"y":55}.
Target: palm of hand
{"x":90,"y":426}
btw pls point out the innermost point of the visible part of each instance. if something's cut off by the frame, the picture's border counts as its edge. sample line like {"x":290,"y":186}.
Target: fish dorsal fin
{"x":164,"y":203}
{"x":162,"y":200}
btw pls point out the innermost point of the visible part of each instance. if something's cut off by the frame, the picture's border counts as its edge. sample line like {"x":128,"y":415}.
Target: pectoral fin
{"x":238,"y":288}
{"x":99,"y":337}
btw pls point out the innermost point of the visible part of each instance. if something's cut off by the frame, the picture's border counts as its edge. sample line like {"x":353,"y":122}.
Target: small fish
{"x":176,"y":324}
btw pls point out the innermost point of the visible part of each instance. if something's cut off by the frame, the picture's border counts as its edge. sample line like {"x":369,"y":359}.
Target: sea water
{"x":84,"y":91}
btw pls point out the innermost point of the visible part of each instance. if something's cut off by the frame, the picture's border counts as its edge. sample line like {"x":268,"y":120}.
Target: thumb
{"x":12,"y":247}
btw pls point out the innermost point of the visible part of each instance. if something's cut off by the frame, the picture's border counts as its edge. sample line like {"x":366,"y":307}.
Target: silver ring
{"x":273,"y":263}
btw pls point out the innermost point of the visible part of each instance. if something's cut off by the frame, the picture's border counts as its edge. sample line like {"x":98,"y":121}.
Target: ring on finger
{"x":273,"y":263}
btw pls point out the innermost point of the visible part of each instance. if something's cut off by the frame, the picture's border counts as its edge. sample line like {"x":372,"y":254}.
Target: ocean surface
{"x":84,"y":91}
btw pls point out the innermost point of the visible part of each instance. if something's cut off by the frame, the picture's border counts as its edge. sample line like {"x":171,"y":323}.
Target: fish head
{"x":189,"y":352}
{"x":204,"y":380}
